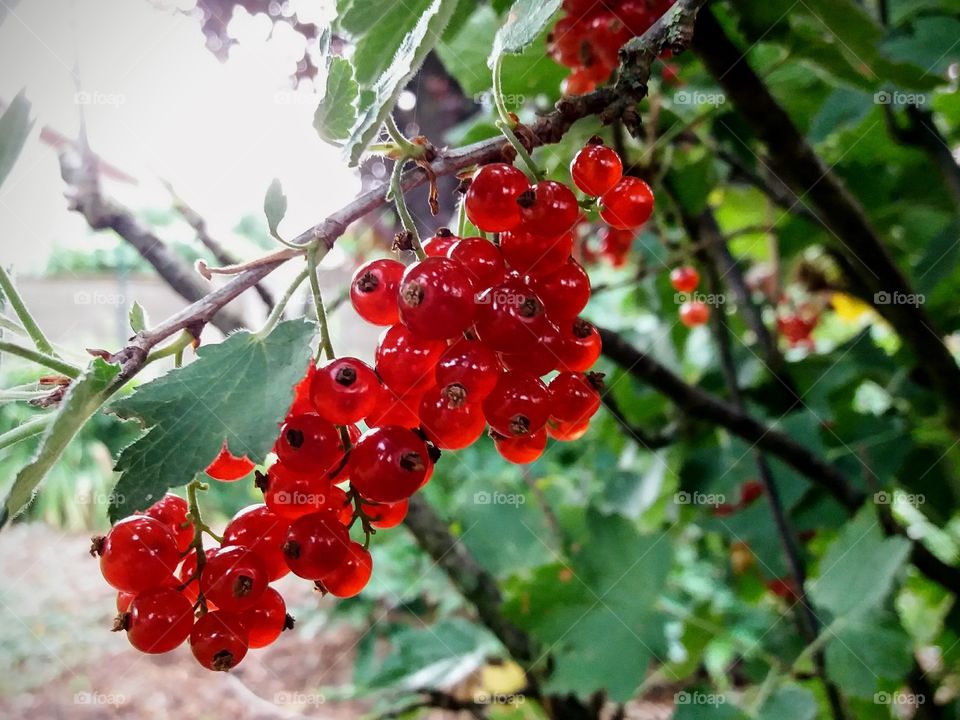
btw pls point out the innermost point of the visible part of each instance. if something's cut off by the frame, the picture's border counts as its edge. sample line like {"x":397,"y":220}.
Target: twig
{"x":41,"y":358}
{"x":19,"y":307}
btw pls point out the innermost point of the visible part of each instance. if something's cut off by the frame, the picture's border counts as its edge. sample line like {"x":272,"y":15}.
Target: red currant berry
{"x":548,"y":208}
{"x":580,"y":82}
{"x":684,"y":279}
{"x":309,"y":444}
{"x":389,"y":464}
{"x":491,"y":200}
{"x":510,"y":317}
{"x":302,"y":403}
{"x":521,"y":450}
{"x":638,"y":16}
{"x":449,"y":419}
{"x":158,"y":620}
{"x":615,"y":244}
{"x":219,"y":640}
{"x":266,"y":619}
{"x":373,"y":291}
{"x":564,"y":292}
{"x":596,"y":168}
{"x":338,"y":502}
{"x":566,"y":41}
{"x":233,"y":578}
{"x":405,"y":360}
{"x":344,"y":390}
{"x":139,"y":553}
{"x":292,"y":494}
{"x":263,"y":531}
{"x":628,"y":204}
{"x":316,"y":544}
{"x":172,"y":510}
{"x":228,"y":467}
{"x":694,"y":313}
{"x":750,"y":491}
{"x":352,"y":575}
{"x":567,"y":431}
{"x":436,"y":299}
{"x":579,"y":345}
{"x":518,"y":405}
{"x":469,"y":363}
{"x":539,"y":359}
{"x":439,"y":245}
{"x":535,"y":254}
{"x":394,"y":408}
{"x":386,"y":515}
{"x":575,"y":397}
{"x":481,"y":259}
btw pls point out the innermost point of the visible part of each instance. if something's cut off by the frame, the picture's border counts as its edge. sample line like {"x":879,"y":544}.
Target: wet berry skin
{"x":518,"y":405}
{"x":265,"y":620}
{"x":491,"y":200}
{"x":549,"y":208}
{"x":628,"y":204}
{"x":233,"y":578}
{"x":405,"y":360}
{"x":219,"y":640}
{"x":309,"y":444}
{"x":595,"y":169}
{"x":316,"y":544}
{"x":388,"y":464}
{"x":263,"y":531}
{"x":139,"y":553}
{"x":352,"y":575}
{"x":521,"y":450}
{"x":344,"y":390}
{"x":436,"y":299}
{"x":158,"y":620}
{"x":373,"y":290}
{"x":482,"y":260}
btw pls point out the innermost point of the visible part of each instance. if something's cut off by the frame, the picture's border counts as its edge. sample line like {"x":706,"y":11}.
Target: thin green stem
{"x":406,"y":219}
{"x":462,"y":218}
{"x":501,"y":106}
{"x":29,"y":324}
{"x":531,"y":169}
{"x":196,"y":545}
{"x":12,"y":325}
{"x":282,"y":303}
{"x":175,"y":348}
{"x":21,"y":395}
{"x":41,"y":358}
{"x":407,"y":148}
{"x":325,"y":343}
{"x":28,"y":429}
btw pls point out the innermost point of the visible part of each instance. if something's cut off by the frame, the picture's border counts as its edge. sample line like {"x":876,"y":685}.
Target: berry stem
{"x":501,"y":106}
{"x":28,"y":429}
{"x":531,"y":169}
{"x":196,"y":545}
{"x":19,"y":307}
{"x":175,"y":348}
{"x":407,"y":148}
{"x":462,"y":218}
{"x":12,"y":325}
{"x":326,"y":346}
{"x":277,"y":312}
{"x":360,"y":514}
{"x":406,"y":219}
{"x":41,"y":358}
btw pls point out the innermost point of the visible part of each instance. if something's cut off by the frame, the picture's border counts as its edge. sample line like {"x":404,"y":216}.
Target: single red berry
{"x":575,"y":397}
{"x":291,"y":494}
{"x":482,"y":260}
{"x":316,"y":544}
{"x":518,"y":405}
{"x":172,"y":510}
{"x":469,"y":363}
{"x":785,"y":588}
{"x":684,"y":279}
{"x":373,"y":291}
{"x":309,"y":444}
{"x":263,"y":531}
{"x":694,"y":313}
{"x":638,"y":15}
{"x":548,"y":208}
{"x":436,"y":299}
{"x":615,"y":244}
{"x":566,"y":41}
{"x":750,"y":491}
{"x":530,"y":254}
{"x":567,"y":431}
{"x":394,"y":408}
{"x":628,"y":204}
{"x":564,"y":292}
{"x":439,"y":245}
{"x":301,"y":393}
{"x":344,"y":390}
{"x":389,"y":464}
{"x":352,"y":575}
{"x":265,"y":619}
{"x":228,"y":467}
{"x":491,"y":200}
{"x":596,"y":168}
{"x":579,"y":345}
{"x":510,"y":317}
{"x":219,"y":640}
{"x":449,"y":417}
{"x":386,"y":515}
{"x":523,"y":449}
{"x":538,"y":359}
{"x":608,"y":33}
{"x":139,"y":553}
{"x":233,"y":578}
{"x":158,"y":620}
{"x":405,"y":360}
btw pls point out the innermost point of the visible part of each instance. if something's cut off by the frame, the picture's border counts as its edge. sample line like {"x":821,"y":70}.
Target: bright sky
{"x":161,"y":106}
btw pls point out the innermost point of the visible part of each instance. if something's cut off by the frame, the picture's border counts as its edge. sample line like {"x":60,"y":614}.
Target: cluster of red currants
{"x":587,"y":38}
{"x":686,"y":280}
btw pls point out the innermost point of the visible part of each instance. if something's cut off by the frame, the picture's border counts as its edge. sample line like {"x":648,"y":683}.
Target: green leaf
{"x":85,"y":396}
{"x":236,"y":391}
{"x":791,"y":702}
{"x":525,"y":21}
{"x":417,"y":43}
{"x":274,"y":205}
{"x":15,"y":124}
{"x":337,"y":111}
{"x":866,"y":649}
{"x":858,"y":570}
{"x":138,"y":317}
